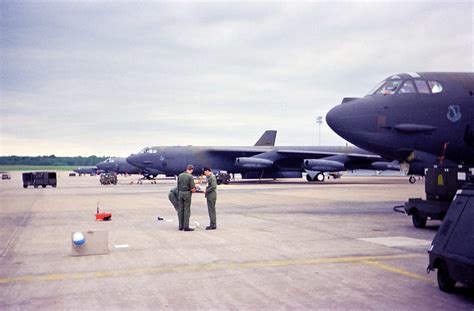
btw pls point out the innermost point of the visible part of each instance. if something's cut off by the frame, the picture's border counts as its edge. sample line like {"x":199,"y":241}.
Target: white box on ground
{"x":96,"y":242}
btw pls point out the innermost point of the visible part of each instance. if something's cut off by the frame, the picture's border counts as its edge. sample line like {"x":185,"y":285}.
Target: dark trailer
{"x":441,"y":185}
{"x":452,"y":249}
{"x":37,"y":179}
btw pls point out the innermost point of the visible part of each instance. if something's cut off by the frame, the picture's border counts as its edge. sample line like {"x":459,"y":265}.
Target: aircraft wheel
{"x":320,"y":177}
{"x":44,"y":186}
{"x":412,"y":179}
{"x":418,"y":220}
{"x":445,"y":282}
{"x":25,"y":186}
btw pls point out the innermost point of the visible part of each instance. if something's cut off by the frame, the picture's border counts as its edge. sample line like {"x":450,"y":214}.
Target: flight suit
{"x":173,"y":197}
{"x":211,"y":196}
{"x":185,"y":185}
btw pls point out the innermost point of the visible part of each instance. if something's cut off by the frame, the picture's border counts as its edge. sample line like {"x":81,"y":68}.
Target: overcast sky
{"x":109,"y":78}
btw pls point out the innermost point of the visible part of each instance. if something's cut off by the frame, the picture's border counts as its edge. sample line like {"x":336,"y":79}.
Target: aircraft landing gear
{"x":319,"y":177}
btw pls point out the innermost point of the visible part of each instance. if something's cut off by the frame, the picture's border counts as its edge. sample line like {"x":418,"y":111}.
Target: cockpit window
{"x":407,"y":87}
{"x":422,"y":86}
{"x":372,"y":91}
{"x":145,"y":150}
{"x":389,"y":87}
{"x":435,"y":86}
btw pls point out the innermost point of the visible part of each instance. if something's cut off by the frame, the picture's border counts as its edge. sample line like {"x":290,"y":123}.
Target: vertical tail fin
{"x":267,"y":139}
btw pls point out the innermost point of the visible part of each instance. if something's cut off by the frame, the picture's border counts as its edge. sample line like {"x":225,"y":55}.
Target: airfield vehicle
{"x":6,"y":176}
{"x":441,"y":184}
{"x":452,"y":251}
{"x":37,"y":179}
{"x":223,"y":178}
{"x":108,"y":179}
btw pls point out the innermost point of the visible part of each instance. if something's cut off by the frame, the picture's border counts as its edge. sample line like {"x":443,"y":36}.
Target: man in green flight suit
{"x":173,"y":197}
{"x":186,"y":188}
{"x":211,"y":196}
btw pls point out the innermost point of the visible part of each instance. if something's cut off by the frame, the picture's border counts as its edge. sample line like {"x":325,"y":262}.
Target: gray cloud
{"x":110,"y":78}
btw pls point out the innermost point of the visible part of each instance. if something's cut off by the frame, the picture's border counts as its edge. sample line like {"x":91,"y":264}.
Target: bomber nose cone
{"x":333,"y":118}
{"x":131,"y":159}
{"x":135,"y":160}
{"x":354,"y":119}
{"x":100,"y":166}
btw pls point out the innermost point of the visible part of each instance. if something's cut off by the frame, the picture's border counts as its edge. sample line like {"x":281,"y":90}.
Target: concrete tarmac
{"x":285,"y":244}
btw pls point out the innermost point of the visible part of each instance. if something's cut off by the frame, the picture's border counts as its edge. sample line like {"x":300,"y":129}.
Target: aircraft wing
{"x":253,"y":150}
{"x":322,"y":154}
{"x":322,"y":161}
{"x":315,"y":160}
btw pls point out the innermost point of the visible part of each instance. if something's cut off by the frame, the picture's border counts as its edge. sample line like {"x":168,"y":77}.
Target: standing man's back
{"x":186,"y":187}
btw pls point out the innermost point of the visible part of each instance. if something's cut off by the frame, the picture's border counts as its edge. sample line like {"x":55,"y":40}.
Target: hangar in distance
{"x":263,"y":160}
{"x":421,"y":119}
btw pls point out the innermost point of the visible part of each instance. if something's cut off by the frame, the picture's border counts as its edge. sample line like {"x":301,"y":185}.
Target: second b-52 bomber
{"x":422,"y":119}
{"x":119,"y":165}
{"x":263,"y":160}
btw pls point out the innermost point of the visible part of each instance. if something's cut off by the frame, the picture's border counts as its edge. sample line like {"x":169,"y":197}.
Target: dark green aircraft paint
{"x":422,"y":119}
{"x":263,"y":160}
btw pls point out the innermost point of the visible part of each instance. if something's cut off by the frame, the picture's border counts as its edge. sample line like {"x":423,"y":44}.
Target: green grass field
{"x":9,"y":168}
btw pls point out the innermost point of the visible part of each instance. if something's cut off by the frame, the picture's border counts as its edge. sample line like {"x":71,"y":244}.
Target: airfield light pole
{"x":319,"y":121}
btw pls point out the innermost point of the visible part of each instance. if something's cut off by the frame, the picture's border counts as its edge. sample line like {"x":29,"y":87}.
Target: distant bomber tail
{"x":267,"y":139}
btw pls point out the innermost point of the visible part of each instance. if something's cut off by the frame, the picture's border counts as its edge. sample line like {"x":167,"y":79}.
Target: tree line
{"x":51,"y":160}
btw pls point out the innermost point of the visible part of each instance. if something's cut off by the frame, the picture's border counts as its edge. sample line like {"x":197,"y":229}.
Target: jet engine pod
{"x":322,"y":165}
{"x":253,"y":163}
{"x":384,"y":166}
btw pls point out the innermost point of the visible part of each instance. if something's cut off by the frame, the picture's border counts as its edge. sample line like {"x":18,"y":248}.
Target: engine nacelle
{"x":279,"y":174}
{"x":322,"y":165}
{"x":384,"y":166}
{"x":253,"y":163}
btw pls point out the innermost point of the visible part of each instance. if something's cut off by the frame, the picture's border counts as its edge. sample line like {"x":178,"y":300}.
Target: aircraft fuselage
{"x":426,"y":116}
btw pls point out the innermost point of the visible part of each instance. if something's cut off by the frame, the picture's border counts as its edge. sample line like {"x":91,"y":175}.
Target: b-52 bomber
{"x":92,"y":170}
{"x":261,"y":161}
{"x":422,"y":119}
{"x":119,"y":165}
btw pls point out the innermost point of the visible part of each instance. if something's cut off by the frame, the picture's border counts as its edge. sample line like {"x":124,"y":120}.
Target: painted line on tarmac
{"x":208,"y":267}
{"x":15,"y":232}
{"x":394,"y":269}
